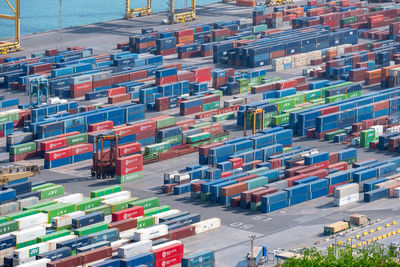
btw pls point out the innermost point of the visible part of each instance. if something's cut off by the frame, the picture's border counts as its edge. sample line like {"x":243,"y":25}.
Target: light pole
{"x":252,"y":238}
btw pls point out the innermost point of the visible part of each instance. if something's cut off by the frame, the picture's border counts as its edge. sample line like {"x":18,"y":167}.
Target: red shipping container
{"x":95,"y":255}
{"x":125,"y":130}
{"x":235,"y":201}
{"x":203,"y":150}
{"x":216,"y":129}
{"x":53,"y":144}
{"x":320,"y":165}
{"x":128,"y":149}
{"x":128,"y":213}
{"x":189,"y":111}
{"x":138,"y":75}
{"x":81,"y":149}
{"x":246,"y":178}
{"x":119,"y":98}
{"x":125,"y":162}
{"x":70,"y":261}
{"x":236,"y":162}
{"x":116,"y":91}
{"x":144,"y":126}
{"x":202,"y":74}
{"x":329,"y":110}
{"x":81,"y":86}
{"x":120,"y":78}
{"x":381,"y":105}
{"x":169,"y":249}
{"x":100,"y":126}
{"x":174,"y":260}
{"x":311,"y":133}
{"x":58,"y":154}
{"x":286,"y":84}
{"x":340,"y":166}
{"x":225,"y":174}
{"x":233,"y":189}
{"x":166,"y":80}
{"x":333,"y":157}
{"x":124,"y":224}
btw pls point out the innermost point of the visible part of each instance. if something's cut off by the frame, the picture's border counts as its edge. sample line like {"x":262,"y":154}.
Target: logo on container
{"x":58,"y":155}
{"x":145,"y":127}
{"x":55,"y":144}
{"x":80,"y":150}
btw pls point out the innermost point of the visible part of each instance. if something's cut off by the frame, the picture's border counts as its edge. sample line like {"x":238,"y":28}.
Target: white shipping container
{"x":165,"y":214}
{"x":115,"y":200}
{"x":127,"y":233}
{"x":134,"y":249}
{"x":207,"y":225}
{"x":29,"y":234}
{"x":73,"y":199}
{"x":118,"y":194}
{"x":39,"y":219}
{"x":396,"y":192}
{"x":346,"y":190}
{"x":20,"y":262}
{"x":38,"y":263}
{"x":5,"y":253}
{"x":119,"y":243}
{"x":338,"y":202}
{"x":29,"y":201}
{"x":8,"y":208}
{"x":108,"y":219}
{"x":30,"y":251}
{"x":53,"y":243}
{"x":150,"y":232}
{"x":65,"y":220}
{"x":179,"y":178}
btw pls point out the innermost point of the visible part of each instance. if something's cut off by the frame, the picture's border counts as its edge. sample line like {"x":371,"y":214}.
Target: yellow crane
{"x":137,"y":12}
{"x":183,"y":16}
{"x":6,"y":47}
{"x":13,"y":173}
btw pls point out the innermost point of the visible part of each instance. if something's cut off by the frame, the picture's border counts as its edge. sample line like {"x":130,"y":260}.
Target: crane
{"x":104,"y":161}
{"x":183,"y":16}
{"x":141,"y":11}
{"x":6,"y":47}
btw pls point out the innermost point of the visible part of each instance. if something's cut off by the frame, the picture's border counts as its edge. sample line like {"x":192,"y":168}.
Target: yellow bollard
{"x":349,"y":239}
{"x":353,"y":246}
{"x":364,"y":243}
{"x":378,"y":228}
{"x":359,"y":244}
{"x":374,"y":239}
{"x":384,"y":236}
{"x":398,"y":231}
{"x":358,"y":236}
{"x":371,"y":231}
{"x":387,"y":225}
{"x":365,"y":233}
{"x":369,"y":241}
{"x":339,"y":242}
{"x":379,"y":237}
{"x":330,"y":246}
{"x":389,"y":234}
{"x":394,"y":222}
{"x":394,"y":233}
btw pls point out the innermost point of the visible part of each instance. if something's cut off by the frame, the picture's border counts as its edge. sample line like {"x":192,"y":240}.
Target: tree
{"x":370,"y":256}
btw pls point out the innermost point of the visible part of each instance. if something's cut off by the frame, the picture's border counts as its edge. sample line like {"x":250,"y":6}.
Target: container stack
{"x":129,"y":168}
{"x":166,"y":46}
{"x":346,"y":194}
{"x":80,"y":85}
{"x":166,"y":76}
{"x":142,"y":43}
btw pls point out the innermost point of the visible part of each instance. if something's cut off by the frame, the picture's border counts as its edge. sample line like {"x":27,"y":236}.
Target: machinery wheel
{"x":93,"y":173}
{"x":104,"y":176}
{"x":98,"y":176}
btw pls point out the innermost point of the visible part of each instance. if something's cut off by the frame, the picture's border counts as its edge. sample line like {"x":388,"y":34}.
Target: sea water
{"x":43,"y":15}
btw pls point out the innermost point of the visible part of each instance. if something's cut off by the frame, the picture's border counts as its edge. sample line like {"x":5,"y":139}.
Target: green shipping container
{"x":336,"y":98}
{"x":256,"y":182}
{"x":367,"y":136}
{"x":348,"y":20}
{"x":287,"y":149}
{"x":58,"y":210}
{"x":205,"y":196}
{"x":329,"y":136}
{"x":8,"y":227}
{"x":222,"y":117}
{"x":123,"y":204}
{"x":165,"y":122}
{"x":26,"y":244}
{"x":291,"y":110}
{"x":3,"y":219}
{"x":105,"y":191}
{"x":157,"y":148}
{"x":145,"y":222}
{"x":354,"y":94}
{"x":311,"y":95}
{"x":52,"y":236}
{"x":91,"y":229}
{"x":4,"y":118}
{"x":244,"y":85}
{"x":106,"y":209}
{"x":50,"y":192}
{"x":22,"y":148}
{"x":286,"y":104}
{"x":255,"y":206}
{"x":280,"y":119}
{"x":77,"y":139}
{"x":121,"y":179}
{"x":156,"y":210}
{"x":200,"y":125}
{"x":197,"y":137}
{"x":350,"y":160}
{"x":40,"y":205}
{"x":46,"y":185}
{"x":172,"y":140}
{"x":147,"y":203}
{"x":21,"y":214}
{"x":211,"y":106}
{"x":88,"y":203}
{"x":260,"y":28}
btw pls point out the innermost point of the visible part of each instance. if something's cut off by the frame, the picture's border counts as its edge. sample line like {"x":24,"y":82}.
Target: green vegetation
{"x":342,"y":257}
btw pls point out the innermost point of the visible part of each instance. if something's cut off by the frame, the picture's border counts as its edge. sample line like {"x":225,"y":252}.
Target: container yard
{"x":134,"y":142}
